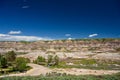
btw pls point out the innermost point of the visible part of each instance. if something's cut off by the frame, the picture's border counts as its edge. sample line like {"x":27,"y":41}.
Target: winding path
{"x":38,"y":69}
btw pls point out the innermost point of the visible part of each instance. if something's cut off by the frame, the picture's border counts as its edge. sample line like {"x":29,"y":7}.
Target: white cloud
{"x":3,"y":35}
{"x":67,"y":35}
{"x":69,"y":38}
{"x":6,"y":37}
{"x":93,"y":35}
{"x":15,"y":32}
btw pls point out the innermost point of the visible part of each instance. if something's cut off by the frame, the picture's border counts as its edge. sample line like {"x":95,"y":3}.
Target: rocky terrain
{"x":83,"y":48}
{"x":76,"y":56}
{"x":38,"y":70}
{"x":98,"y":45}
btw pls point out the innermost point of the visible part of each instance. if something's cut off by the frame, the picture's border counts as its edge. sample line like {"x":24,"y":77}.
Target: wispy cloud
{"x":7,"y":37}
{"x":3,"y":35}
{"x":70,"y":38}
{"x":93,"y":35}
{"x":15,"y":32}
{"x":25,"y":7}
{"x":67,"y":35}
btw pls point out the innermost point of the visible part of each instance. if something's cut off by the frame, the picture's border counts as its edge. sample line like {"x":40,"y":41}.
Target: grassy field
{"x":89,"y":64}
{"x":57,"y":76}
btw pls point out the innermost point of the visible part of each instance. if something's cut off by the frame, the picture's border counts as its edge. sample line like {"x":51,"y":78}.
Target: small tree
{"x":20,"y":64}
{"x":0,"y":62}
{"x":40,"y":60}
{"x":49,"y":59}
{"x":10,"y":56}
{"x":117,"y":49}
{"x":52,"y":61}
{"x":3,"y":62}
{"x":56,"y":60}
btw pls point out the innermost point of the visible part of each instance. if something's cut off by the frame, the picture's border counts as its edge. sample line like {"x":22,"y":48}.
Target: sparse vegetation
{"x":50,"y":61}
{"x":3,"y":62}
{"x":53,"y":61}
{"x":20,"y":64}
{"x":117,"y":49}
{"x":10,"y":56}
{"x":21,"y":53}
{"x":40,"y":60}
{"x":25,"y":42}
{"x":50,"y":57}
{"x":89,"y":64}
{"x":58,"y":76}
{"x":50,"y":52}
{"x":56,"y":60}
{"x":9,"y":63}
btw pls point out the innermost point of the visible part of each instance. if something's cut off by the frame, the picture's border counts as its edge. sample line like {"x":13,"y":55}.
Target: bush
{"x":27,"y":60}
{"x":40,"y":60}
{"x":117,"y":49}
{"x":56,"y":60}
{"x":10,"y":56}
{"x":49,"y":59}
{"x":20,"y":64}
{"x":53,"y":61}
{"x":3,"y":62}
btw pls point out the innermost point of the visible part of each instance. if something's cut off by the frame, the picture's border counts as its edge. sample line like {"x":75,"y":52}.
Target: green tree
{"x":56,"y":60}
{"x":117,"y":49}
{"x":41,"y":59}
{"x":10,"y":56}
{"x":50,"y":58}
{"x":20,"y":64}
{"x":3,"y":62}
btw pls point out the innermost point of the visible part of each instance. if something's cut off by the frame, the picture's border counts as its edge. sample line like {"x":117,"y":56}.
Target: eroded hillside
{"x":82,"y":48}
{"x":95,"y":45}
{"x":86,"y":56}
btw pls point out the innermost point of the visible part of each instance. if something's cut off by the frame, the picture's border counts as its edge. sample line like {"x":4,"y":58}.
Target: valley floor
{"x":38,"y":70}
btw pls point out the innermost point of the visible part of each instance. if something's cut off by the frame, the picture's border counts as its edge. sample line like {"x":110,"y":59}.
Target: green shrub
{"x":3,"y":62}
{"x":20,"y":64}
{"x":56,"y":60}
{"x":40,"y":60}
{"x":10,"y":56}
{"x":50,"y":58}
{"x":117,"y":49}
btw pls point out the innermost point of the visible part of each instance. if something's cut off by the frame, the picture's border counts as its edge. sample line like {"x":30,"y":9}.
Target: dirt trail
{"x":38,"y":69}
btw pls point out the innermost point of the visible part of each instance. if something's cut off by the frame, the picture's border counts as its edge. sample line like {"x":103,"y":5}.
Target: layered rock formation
{"x":95,"y":45}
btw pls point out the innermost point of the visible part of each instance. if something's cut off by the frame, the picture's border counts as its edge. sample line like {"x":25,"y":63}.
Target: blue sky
{"x":59,"y":19}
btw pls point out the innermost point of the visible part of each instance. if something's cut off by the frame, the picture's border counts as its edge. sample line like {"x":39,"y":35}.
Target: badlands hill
{"x":76,"y":57}
{"x":80,"y":48}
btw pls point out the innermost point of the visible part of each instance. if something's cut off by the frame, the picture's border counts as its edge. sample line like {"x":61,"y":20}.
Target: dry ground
{"x":38,"y":70}
{"x":107,"y":55}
